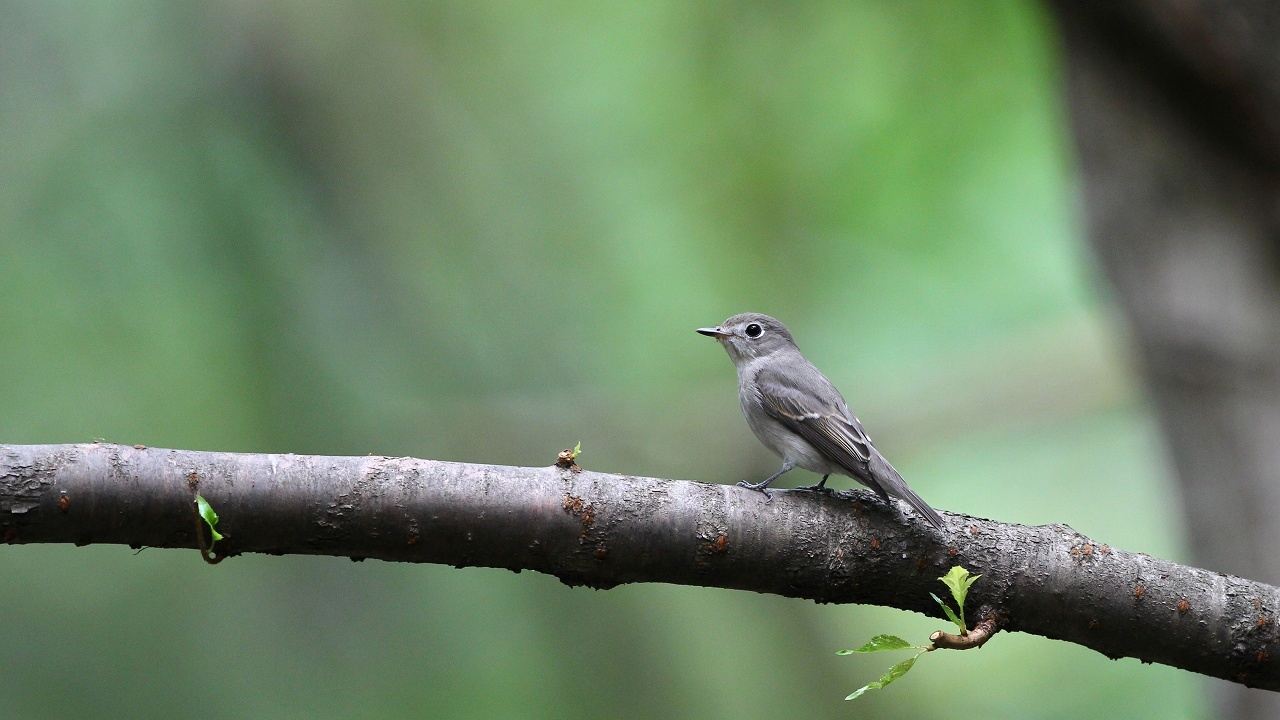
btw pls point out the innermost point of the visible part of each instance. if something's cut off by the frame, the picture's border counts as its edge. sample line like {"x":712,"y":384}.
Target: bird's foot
{"x":759,"y":486}
{"x":820,"y":487}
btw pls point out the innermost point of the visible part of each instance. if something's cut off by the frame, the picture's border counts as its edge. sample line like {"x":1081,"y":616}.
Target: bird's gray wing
{"x":816,"y":414}
{"x":806,"y":403}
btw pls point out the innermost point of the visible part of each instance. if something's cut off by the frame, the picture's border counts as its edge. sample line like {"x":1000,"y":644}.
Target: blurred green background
{"x":484,"y":231}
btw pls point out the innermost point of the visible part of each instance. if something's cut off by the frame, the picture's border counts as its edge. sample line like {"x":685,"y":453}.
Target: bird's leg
{"x":787,"y":466}
{"x":820,"y":487}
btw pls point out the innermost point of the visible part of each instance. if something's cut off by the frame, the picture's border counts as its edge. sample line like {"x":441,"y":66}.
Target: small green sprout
{"x":210,"y":517}
{"x":567,"y":458}
{"x":959,"y":581}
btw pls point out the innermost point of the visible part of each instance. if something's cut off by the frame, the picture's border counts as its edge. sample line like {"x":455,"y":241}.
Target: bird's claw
{"x":760,"y":487}
{"x":818,"y":487}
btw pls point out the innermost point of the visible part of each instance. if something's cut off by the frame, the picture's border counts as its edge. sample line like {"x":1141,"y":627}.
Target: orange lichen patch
{"x":719,"y":545}
{"x":64,"y":502}
{"x":1088,"y":549}
{"x":1183,"y":605}
{"x":1264,"y":621}
{"x":1139,"y":591}
{"x":953,"y":551}
{"x":974,"y":531}
{"x":601,"y":552}
{"x":193,"y":481}
{"x":586,"y":511}
{"x":875,"y":543}
{"x":412,"y":539}
{"x":139,"y":447}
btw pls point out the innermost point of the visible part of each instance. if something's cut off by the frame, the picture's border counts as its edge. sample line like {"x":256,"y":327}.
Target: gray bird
{"x":797,"y":413}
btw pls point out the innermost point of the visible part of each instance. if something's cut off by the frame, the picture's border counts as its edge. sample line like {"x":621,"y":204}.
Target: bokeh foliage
{"x":483,"y":231}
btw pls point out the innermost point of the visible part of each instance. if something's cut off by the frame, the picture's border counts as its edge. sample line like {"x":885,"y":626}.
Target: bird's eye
{"x":754,"y":330}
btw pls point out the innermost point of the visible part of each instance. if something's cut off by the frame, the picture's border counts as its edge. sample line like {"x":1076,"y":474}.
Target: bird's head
{"x":751,"y":335}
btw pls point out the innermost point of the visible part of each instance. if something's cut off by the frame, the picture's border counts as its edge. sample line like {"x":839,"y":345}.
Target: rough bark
{"x":604,"y":530}
{"x":1176,"y":111}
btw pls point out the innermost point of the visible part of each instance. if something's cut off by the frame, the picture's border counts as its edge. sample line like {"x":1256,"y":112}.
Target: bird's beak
{"x":715,"y":332}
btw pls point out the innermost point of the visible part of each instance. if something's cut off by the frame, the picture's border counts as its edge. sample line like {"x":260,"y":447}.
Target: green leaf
{"x":894,"y":673}
{"x":210,"y":517}
{"x":577,"y":450}
{"x":858,"y":693}
{"x":951,"y":614}
{"x":884,"y":642}
{"x":959,"y":580}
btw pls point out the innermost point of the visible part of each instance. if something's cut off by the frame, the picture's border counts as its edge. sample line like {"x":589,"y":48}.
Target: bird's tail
{"x":891,"y":481}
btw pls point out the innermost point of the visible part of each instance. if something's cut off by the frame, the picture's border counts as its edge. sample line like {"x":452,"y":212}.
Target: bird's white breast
{"x":771,"y":433}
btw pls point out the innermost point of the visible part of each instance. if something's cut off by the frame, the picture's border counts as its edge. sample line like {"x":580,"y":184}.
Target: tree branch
{"x":977,"y":637}
{"x":603,"y":530}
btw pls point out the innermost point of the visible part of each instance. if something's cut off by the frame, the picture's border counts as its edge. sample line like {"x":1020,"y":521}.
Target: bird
{"x":796,"y":412}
